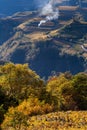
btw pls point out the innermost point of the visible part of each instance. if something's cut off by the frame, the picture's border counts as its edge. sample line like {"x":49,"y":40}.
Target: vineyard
{"x":70,"y":120}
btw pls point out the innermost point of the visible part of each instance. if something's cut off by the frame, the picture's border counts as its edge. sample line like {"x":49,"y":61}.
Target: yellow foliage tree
{"x":19,"y":81}
{"x":17,"y":118}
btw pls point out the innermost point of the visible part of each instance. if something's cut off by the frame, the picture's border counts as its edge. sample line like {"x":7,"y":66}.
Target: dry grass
{"x":72,"y":8}
{"x":37,"y":36}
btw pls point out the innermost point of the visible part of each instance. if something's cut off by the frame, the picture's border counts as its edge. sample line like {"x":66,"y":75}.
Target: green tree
{"x":2,"y":112}
{"x":79,"y":83}
{"x":61,"y":89}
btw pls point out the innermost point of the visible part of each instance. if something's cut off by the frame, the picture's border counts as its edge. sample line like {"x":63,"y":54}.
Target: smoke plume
{"x":50,"y":11}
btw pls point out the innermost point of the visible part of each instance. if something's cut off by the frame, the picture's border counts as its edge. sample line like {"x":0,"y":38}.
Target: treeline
{"x":23,"y":94}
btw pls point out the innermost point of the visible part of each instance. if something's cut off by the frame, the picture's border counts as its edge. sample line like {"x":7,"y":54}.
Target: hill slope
{"x":56,"y":45}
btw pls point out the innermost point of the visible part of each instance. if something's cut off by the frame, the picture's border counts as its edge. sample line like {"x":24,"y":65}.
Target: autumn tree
{"x":19,"y":81}
{"x":14,"y":119}
{"x":18,"y":118}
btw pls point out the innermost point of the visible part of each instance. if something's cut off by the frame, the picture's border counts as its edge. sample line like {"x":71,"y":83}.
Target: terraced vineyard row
{"x":70,"y":120}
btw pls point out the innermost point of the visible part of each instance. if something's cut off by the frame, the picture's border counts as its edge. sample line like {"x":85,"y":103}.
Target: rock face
{"x":54,"y":46}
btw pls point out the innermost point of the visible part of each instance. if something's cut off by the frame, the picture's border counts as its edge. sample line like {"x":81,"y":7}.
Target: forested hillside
{"x":24,"y":96}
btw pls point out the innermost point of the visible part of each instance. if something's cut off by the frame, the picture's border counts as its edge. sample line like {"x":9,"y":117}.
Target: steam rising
{"x":41,"y":22}
{"x":50,"y":11}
